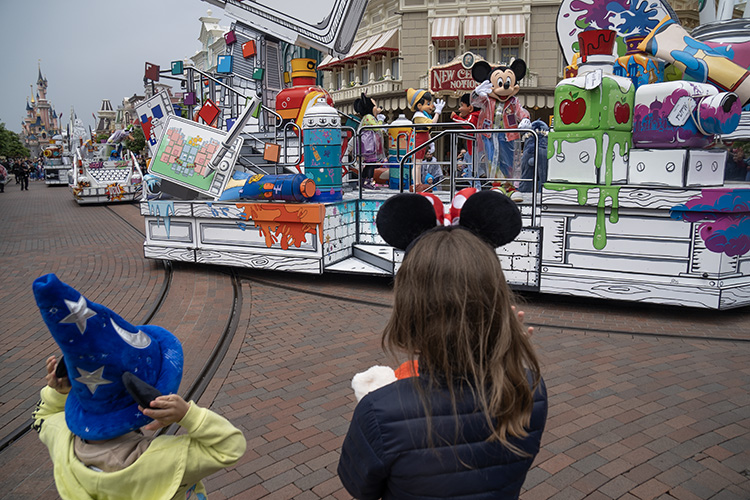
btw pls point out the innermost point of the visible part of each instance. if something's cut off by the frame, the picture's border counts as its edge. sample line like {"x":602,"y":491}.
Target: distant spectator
{"x":3,"y":177}
{"x":432,"y":174}
{"x":23,"y":174}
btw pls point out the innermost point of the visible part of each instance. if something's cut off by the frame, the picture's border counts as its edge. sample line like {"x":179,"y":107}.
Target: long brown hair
{"x":453,"y":312}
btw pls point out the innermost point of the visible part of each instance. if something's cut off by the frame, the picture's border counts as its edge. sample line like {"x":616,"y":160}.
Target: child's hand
{"x":521,"y":314}
{"x":165,"y":410}
{"x":61,"y":385}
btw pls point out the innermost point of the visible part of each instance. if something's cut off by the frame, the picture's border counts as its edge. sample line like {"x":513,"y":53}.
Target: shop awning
{"x":511,"y":26}
{"x":478,"y":27}
{"x":375,"y":44}
{"x":445,"y":28}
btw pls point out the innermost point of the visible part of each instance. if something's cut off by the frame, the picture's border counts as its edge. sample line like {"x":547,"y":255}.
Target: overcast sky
{"x":90,"y":49}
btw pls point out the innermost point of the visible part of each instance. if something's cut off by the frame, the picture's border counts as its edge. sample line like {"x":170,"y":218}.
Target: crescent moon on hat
{"x":138,"y":340}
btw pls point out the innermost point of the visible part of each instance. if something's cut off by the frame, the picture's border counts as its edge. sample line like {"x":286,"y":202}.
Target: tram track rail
{"x":535,"y":324}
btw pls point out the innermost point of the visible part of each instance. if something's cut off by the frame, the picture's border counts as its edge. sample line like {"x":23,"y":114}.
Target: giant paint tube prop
{"x":287,"y":187}
{"x":670,"y":41}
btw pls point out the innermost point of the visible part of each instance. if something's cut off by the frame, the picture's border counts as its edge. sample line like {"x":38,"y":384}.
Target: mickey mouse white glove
{"x":439,"y":105}
{"x":381,"y":118}
{"x":525,"y":123}
{"x":484,"y":88}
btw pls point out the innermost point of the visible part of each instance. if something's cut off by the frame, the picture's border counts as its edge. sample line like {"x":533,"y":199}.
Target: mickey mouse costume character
{"x":498,"y":86}
{"x":113,"y":379}
{"x":470,"y":424}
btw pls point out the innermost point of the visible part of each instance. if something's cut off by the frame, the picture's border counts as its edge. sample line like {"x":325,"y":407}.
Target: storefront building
{"x":432,"y":44}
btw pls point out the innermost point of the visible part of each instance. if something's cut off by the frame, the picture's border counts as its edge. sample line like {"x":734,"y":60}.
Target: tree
{"x":138,"y":142}
{"x":10,"y":145}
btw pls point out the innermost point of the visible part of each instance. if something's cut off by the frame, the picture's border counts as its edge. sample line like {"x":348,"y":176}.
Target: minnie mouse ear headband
{"x":490,"y":215}
{"x":99,"y":347}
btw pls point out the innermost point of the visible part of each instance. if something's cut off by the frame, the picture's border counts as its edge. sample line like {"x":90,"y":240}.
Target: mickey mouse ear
{"x":481,"y":71}
{"x":404,"y":217}
{"x":492,"y":216}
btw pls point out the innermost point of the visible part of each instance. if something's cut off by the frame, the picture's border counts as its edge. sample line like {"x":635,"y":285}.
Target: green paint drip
{"x":600,"y":232}
{"x":599,"y":138}
{"x":612,"y":192}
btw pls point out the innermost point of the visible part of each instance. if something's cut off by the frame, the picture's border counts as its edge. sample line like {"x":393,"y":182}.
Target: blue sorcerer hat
{"x":98,"y":347}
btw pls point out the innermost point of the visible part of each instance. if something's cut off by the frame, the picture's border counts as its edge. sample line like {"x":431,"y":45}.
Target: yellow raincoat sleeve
{"x":214,"y":443}
{"x":49,"y":415}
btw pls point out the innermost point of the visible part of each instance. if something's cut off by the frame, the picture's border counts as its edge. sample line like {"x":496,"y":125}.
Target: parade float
{"x":104,"y":173}
{"x":56,"y":161}
{"x":635,"y":206}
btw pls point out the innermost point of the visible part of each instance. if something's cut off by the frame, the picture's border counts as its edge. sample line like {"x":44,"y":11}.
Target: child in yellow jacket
{"x":103,"y":454}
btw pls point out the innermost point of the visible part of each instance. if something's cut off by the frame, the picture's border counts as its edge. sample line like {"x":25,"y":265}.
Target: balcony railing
{"x":371,"y":89}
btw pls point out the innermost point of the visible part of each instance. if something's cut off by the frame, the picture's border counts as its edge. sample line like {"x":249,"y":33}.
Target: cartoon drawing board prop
{"x":700,"y":62}
{"x":98,"y":348}
{"x":184,"y":153}
{"x":625,"y":17}
{"x":153,"y":113}
{"x":328,"y":25}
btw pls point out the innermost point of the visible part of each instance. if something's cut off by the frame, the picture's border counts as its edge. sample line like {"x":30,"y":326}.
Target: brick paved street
{"x":646,"y":402}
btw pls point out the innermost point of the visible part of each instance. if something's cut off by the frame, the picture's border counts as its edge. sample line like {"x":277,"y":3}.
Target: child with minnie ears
{"x":470,"y":424}
{"x":113,"y":379}
{"x":372,"y":140}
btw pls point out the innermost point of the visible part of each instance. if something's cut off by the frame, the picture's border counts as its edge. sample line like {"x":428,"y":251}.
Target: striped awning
{"x":531,"y":101}
{"x":478,"y":27}
{"x":445,"y":28}
{"x":511,"y":26}
{"x":375,"y":44}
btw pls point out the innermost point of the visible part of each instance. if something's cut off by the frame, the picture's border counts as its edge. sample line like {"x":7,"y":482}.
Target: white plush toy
{"x":371,"y":379}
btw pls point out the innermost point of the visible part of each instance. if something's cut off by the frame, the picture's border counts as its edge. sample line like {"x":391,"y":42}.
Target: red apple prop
{"x":622,"y":112}
{"x":572,"y":110}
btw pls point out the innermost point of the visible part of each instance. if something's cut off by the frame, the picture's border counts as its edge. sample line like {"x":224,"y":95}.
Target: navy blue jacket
{"x":386,"y":453}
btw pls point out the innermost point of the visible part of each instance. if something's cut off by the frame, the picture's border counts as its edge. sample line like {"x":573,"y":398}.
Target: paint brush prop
{"x":251,"y":109}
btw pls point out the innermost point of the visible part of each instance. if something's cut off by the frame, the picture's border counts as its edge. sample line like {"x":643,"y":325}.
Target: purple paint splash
{"x":596,"y":13}
{"x":726,"y":213}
